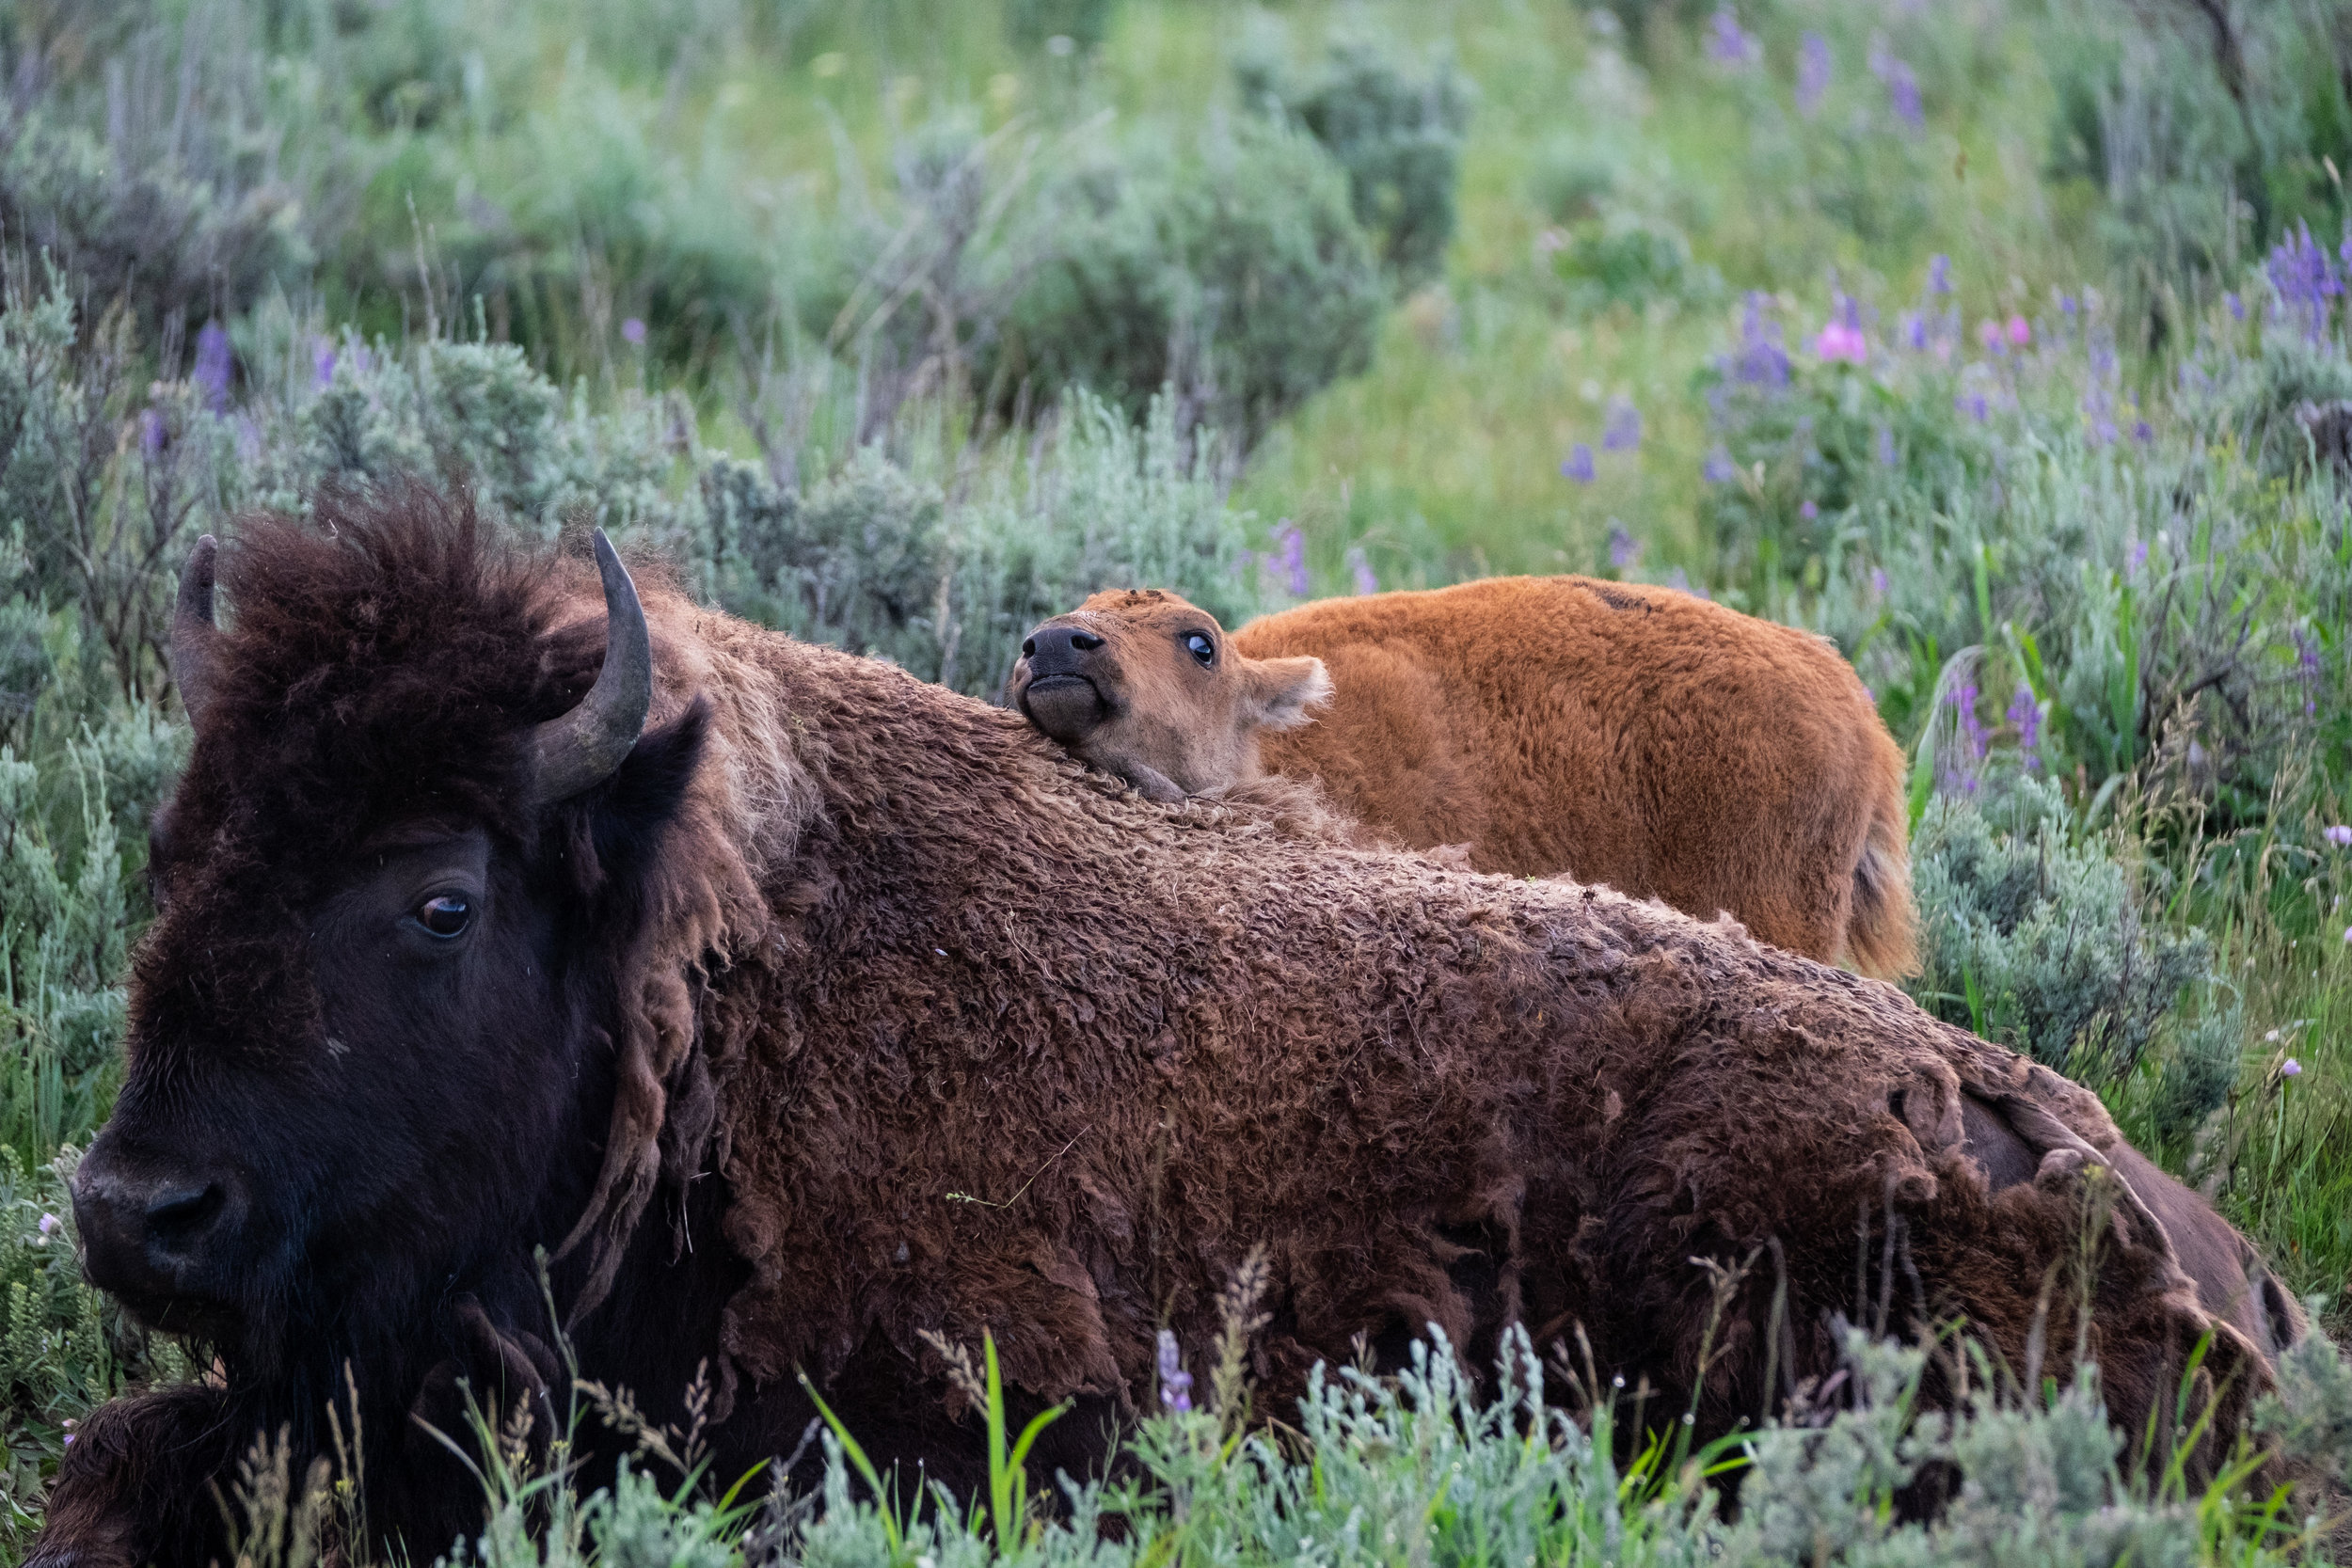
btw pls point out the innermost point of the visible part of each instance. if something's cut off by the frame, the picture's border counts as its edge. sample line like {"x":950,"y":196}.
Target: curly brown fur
{"x":850,"y":1011}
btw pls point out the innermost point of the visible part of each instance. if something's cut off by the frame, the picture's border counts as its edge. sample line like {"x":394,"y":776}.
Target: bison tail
{"x":1882,"y":931}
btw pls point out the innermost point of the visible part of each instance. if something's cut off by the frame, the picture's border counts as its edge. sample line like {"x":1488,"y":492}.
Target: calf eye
{"x":446,"y":915}
{"x":1201,"y":648}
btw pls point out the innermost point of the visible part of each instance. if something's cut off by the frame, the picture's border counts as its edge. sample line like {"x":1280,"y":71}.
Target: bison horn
{"x":194,"y":633}
{"x":583,"y":749}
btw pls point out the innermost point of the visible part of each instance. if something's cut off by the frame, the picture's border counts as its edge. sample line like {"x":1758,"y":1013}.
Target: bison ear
{"x":1280,"y":691}
{"x":629,"y":813}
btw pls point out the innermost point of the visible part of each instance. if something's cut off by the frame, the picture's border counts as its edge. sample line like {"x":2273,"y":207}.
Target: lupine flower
{"x":2307,"y":668}
{"x":2019,"y":333}
{"x":1729,"y":43}
{"x":1902,"y":92}
{"x":2237,"y":305}
{"x":1959,"y":766}
{"x":1623,"y":432}
{"x":633,"y":332}
{"x":1624,"y":551}
{"x":322,"y":362}
{"x":2144,"y":432}
{"x":1292,"y":561}
{"x":1356,"y":564}
{"x":2068,"y":306}
{"x":1989,"y":334}
{"x":2137,"y":558}
{"x":1813,"y":74}
{"x":1939,"y":275}
{"x":1717,"y":469}
{"x":213,"y":363}
{"x":1680,"y":582}
{"x":151,"y":432}
{"x":2025,"y":714}
{"x":2304,"y":280}
{"x":1888,"y":456}
{"x":1762,"y":360}
{"x":2290,"y":1069}
{"x":1878,"y":582}
{"x":2339,"y":834}
{"x":1175,"y":1383}
{"x":1975,"y":405}
{"x":1808,"y":511}
{"x":1579,"y":465}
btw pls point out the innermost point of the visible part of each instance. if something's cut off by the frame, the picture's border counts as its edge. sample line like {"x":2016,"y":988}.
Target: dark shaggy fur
{"x":851,"y":1010}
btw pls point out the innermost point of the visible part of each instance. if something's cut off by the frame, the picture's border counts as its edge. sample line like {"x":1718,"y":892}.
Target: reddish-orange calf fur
{"x":1633,"y":735}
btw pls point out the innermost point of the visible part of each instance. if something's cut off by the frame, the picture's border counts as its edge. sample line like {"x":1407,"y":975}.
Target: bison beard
{"x":846,"y":1009}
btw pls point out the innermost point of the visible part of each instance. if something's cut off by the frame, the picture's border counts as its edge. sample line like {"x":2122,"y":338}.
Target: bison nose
{"x":146,"y":1233}
{"x":1058,"y":650}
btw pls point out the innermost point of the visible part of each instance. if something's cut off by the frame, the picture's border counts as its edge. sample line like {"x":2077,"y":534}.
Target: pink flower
{"x":2340,"y":835}
{"x":49,"y":1224}
{"x":2290,"y":1069}
{"x":1840,"y":342}
{"x":635,"y":331}
{"x":2019,"y":333}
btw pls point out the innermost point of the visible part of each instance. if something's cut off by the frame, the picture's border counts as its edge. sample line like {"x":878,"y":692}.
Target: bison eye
{"x":447,"y":914}
{"x":1201,"y":648}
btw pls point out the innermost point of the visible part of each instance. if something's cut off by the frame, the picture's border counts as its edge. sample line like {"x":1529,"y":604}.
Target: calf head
{"x":379,"y":1027}
{"x":1141,"y":684}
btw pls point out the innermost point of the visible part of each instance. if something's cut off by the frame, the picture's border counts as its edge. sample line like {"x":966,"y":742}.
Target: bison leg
{"x":136,"y":1485}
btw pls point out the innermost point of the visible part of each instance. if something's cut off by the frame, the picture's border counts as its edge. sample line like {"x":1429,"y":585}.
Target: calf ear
{"x":1280,"y":691}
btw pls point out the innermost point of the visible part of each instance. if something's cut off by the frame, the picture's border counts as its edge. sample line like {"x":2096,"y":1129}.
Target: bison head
{"x":376,"y":1028}
{"x":1143,"y":684}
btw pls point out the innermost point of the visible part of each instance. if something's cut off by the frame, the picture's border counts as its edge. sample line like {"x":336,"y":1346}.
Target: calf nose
{"x":144,"y":1233}
{"x":1058,"y":650}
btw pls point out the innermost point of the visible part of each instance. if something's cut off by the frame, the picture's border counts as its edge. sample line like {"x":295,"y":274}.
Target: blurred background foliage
{"x":2001,"y":341}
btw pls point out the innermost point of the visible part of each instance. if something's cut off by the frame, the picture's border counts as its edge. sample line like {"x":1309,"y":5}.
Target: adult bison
{"x":1648,"y":739}
{"x":828,"y":1007}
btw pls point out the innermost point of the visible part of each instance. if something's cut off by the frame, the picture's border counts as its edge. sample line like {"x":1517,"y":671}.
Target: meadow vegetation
{"x":2004,"y":343}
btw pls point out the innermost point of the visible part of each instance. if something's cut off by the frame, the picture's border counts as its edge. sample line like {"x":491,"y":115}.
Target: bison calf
{"x":1637,"y":736}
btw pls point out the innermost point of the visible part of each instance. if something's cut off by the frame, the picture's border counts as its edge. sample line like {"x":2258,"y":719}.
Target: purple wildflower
{"x":1813,"y":74}
{"x":1730,"y":44}
{"x":2303,"y":280}
{"x":2144,"y":432}
{"x":2340,"y":835}
{"x":1679,"y":581}
{"x":1975,"y":405}
{"x":1902,"y":94}
{"x":151,"y":432}
{"x":2237,"y":305}
{"x":1579,"y":465}
{"x":1959,"y":766}
{"x":1878,"y":582}
{"x":1763,"y":360}
{"x":2136,"y":561}
{"x":1356,"y":564}
{"x":633,"y":332}
{"x":1839,"y":340}
{"x":1989,"y":334}
{"x":2025,"y":714}
{"x":49,"y":1224}
{"x":1939,"y":275}
{"x":1717,"y":469}
{"x":212,"y":364}
{"x":2068,"y":306}
{"x":2307,"y":670}
{"x":1623,"y":432}
{"x":2290,"y":1069}
{"x":1807,"y":510}
{"x":1624,"y":551}
{"x":2020,"y":332}
{"x":1175,"y":1383}
{"x":1292,"y":559}
{"x":322,"y":362}
{"x":1915,"y":331}
{"x":1888,"y":456}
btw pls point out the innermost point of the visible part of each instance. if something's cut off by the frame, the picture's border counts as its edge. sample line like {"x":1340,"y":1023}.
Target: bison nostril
{"x":1028,"y":649}
{"x":1085,"y":642}
{"x":176,"y":1216}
